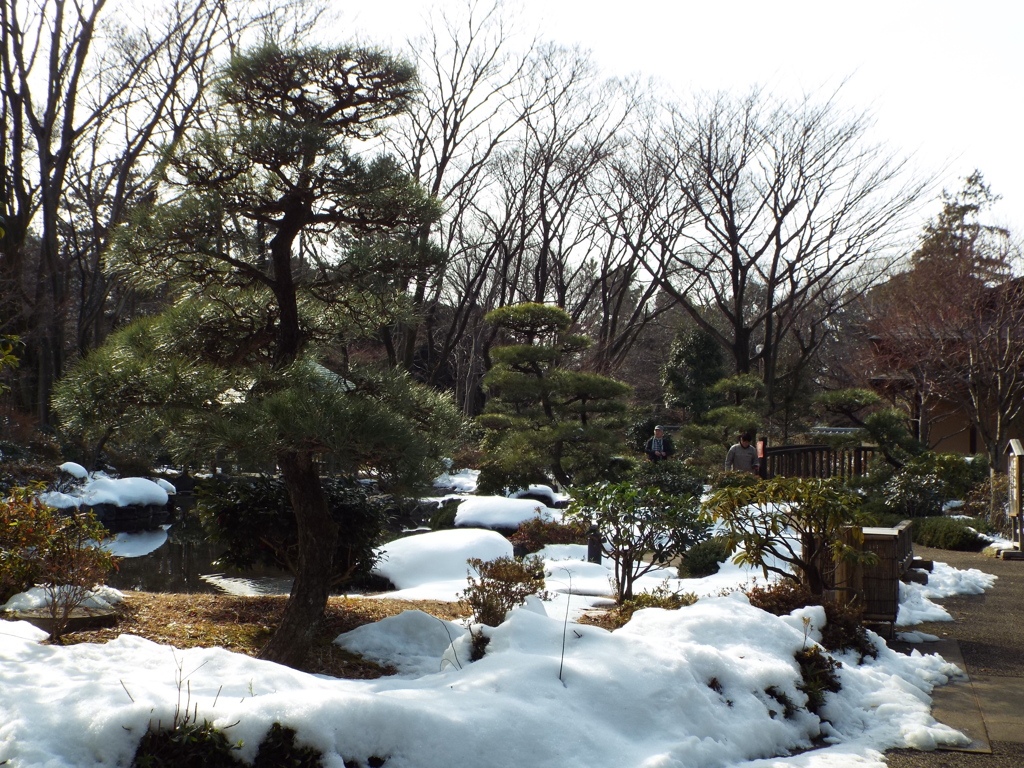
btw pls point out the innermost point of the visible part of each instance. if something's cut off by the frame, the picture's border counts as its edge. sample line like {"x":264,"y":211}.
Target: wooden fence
{"x":814,"y":461}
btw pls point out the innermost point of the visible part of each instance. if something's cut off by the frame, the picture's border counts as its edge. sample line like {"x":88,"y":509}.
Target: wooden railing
{"x":814,"y":461}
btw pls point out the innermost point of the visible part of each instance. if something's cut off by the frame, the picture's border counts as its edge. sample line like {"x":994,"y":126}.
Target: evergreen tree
{"x":543,"y":418}
{"x":696,"y":363}
{"x":280,"y":245}
{"x":956,"y":244}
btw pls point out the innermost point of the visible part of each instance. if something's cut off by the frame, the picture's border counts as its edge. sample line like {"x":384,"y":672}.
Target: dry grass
{"x":244,"y":624}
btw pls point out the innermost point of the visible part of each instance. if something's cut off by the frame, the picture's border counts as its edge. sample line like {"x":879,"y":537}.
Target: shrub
{"x":672,"y":477}
{"x":443,"y":517}
{"x":22,"y":530}
{"x":844,"y":623}
{"x":818,"y":673}
{"x":761,"y":519}
{"x":536,"y":533}
{"x":662,"y":597}
{"x":946,"y":533}
{"x":23,"y":473}
{"x":70,"y":564}
{"x":642,"y":528}
{"x":278,"y":749}
{"x":253,"y":519}
{"x":704,"y":558}
{"x":188,"y":745}
{"x":781,"y":598}
{"x":914,"y":495}
{"x":501,"y":585}
{"x":39,"y":545}
{"x":731,"y":479}
{"x":989,"y":499}
{"x":925,"y":483}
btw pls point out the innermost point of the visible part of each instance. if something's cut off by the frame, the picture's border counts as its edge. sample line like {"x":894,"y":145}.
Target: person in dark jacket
{"x":743,"y":456}
{"x":660,"y":446}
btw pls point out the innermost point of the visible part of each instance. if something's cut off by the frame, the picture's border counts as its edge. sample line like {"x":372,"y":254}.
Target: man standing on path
{"x":743,"y":456}
{"x":660,"y":446}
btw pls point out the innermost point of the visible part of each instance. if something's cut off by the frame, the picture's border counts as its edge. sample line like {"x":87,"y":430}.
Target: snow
{"x":462,"y":481}
{"x":432,"y":566}
{"x":36,"y":597}
{"x":100,"y":489}
{"x":75,"y":470}
{"x":501,"y":512}
{"x":701,"y":686}
{"x":553,"y":497}
{"x":672,"y":688}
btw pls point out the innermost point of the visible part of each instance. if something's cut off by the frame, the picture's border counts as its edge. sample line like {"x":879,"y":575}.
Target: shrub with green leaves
{"x":818,"y":676}
{"x":946,"y":533}
{"x":252,"y":518}
{"x":760,"y":522}
{"x":662,"y":597}
{"x":925,"y":484}
{"x":672,"y":477}
{"x":642,"y":528}
{"x":189,"y":743}
{"x":497,"y":586}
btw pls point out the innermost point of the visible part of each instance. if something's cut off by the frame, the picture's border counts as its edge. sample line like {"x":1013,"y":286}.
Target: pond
{"x":178,"y":558}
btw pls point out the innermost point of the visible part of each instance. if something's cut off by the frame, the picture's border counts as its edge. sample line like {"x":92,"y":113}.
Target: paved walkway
{"x":986,"y":640}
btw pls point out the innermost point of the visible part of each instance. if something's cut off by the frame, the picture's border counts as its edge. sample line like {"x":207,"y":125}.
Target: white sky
{"x":943,"y":77}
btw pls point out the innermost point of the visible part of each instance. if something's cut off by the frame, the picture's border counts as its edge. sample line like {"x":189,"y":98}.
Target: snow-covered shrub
{"x":844,"y":622}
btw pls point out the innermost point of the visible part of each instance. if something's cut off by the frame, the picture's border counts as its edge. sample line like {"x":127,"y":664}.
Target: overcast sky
{"x":944,"y":78}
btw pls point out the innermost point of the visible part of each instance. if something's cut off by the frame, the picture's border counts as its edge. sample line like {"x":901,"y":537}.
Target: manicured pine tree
{"x":545,"y":418}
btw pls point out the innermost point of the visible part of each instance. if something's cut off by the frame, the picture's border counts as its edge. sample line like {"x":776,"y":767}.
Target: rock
{"x":81,"y":619}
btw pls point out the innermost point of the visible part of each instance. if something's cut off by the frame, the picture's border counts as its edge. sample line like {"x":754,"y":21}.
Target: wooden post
{"x":1015,"y":464}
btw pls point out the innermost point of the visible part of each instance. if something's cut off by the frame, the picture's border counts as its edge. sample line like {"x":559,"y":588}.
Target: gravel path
{"x":990,"y":631}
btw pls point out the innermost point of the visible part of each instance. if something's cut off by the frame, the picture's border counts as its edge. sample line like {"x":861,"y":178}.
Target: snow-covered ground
{"x":701,"y":687}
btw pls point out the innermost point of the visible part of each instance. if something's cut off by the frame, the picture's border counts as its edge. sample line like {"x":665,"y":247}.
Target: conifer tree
{"x":545,"y":419}
{"x":280,"y":244}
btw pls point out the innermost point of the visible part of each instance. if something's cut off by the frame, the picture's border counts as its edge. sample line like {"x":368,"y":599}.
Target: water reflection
{"x":185,"y":562}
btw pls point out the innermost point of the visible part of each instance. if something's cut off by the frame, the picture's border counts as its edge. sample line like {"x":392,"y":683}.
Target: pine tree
{"x":545,"y":419}
{"x":280,"y":245}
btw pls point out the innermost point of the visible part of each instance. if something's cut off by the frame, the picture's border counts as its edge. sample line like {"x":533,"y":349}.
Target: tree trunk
{"x":318,"y":539}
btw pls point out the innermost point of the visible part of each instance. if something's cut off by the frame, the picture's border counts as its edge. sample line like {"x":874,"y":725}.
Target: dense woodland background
{"x":731,"y":256}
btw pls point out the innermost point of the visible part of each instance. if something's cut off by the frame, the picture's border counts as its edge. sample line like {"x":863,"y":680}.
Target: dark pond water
{"x":186,"y":562}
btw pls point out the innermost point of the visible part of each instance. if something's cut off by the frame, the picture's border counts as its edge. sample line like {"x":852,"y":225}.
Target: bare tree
{"x":474,"y":97}
{"x":788,"y":207}
{"x":89,"y":100}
